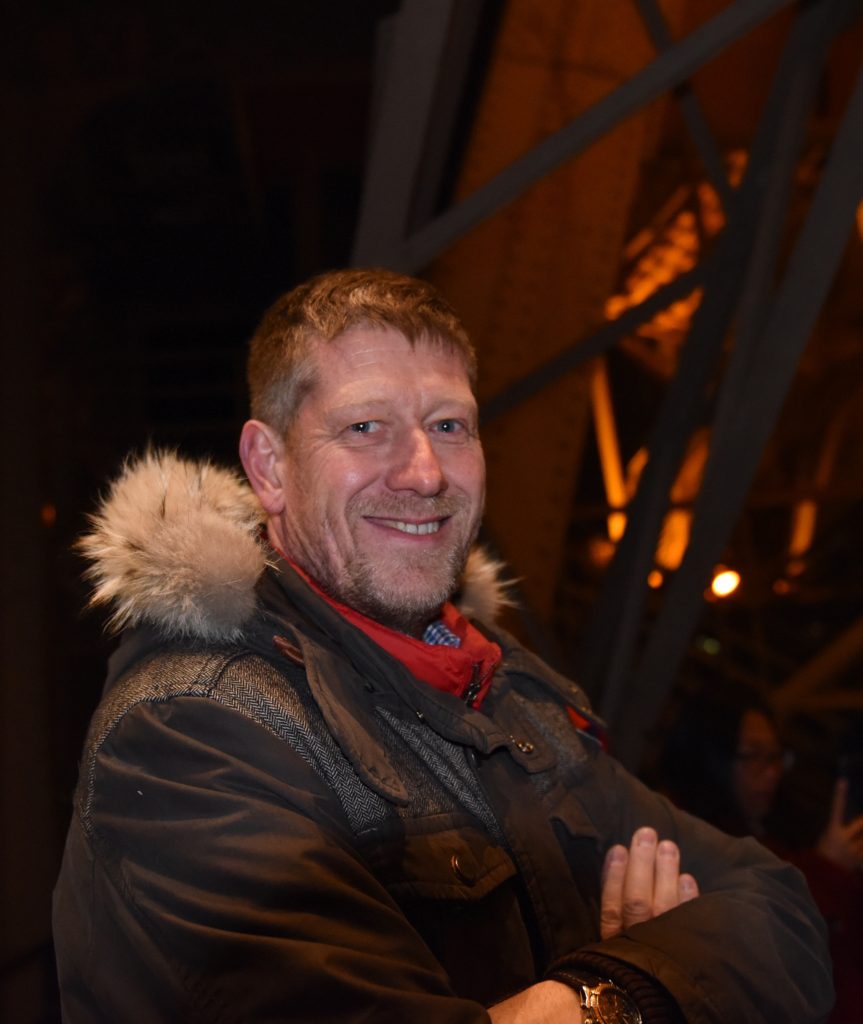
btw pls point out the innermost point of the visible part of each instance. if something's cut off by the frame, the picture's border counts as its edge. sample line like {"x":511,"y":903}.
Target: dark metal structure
{"x":766,"y":308}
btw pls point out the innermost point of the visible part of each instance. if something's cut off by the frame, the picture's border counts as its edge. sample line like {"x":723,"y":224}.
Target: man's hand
{"x":641,"y":882}
{"x":637,"y":884}
{"x":842,"y":842}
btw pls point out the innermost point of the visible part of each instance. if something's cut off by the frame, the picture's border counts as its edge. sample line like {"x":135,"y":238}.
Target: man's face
{"x":383,"y":476}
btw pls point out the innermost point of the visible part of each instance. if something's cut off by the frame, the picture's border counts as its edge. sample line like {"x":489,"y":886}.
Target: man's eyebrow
{"x":363,"y":405}
{"x":448,"y":402}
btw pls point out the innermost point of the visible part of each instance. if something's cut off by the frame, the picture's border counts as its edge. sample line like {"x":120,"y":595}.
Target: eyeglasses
{"x":762,"y":760}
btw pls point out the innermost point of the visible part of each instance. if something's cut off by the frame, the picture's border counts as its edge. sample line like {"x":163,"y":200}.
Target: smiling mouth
{"x":415,"y":529}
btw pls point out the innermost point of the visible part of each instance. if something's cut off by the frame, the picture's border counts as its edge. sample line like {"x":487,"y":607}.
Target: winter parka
{"x":275,"y":821}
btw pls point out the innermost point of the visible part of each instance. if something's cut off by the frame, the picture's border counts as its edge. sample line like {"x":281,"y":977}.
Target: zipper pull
{"x":474,"y":686}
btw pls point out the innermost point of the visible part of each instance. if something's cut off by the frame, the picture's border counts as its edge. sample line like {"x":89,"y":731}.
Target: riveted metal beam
{"x":610,"y":651}
{"x":751,"y":406}
{"x":699,"y":130}
{"x":416,"y":53}
{"x":668,"y":69}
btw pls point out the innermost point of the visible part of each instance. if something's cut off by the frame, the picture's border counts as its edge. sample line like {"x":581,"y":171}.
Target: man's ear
{"x":262,"y":453}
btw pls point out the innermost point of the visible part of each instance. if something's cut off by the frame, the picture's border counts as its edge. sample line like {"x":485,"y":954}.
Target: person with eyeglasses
{"x":723,"y":760}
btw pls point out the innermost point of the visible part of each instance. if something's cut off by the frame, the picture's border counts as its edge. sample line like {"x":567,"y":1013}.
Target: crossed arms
{"x":637,"y":884}
{"x":239,"y":883}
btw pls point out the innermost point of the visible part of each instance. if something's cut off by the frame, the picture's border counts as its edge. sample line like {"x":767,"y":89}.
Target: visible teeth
{"x":419,"y":528}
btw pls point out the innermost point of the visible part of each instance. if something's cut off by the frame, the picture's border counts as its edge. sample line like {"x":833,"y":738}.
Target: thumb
{"x":840,"y":796}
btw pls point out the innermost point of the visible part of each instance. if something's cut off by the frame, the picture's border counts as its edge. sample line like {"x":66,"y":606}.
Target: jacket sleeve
{"x":752,"y":947}
{"x":229,"y":862}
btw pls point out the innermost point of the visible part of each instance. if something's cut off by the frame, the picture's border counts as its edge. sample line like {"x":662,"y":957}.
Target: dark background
{"x":168,"y":169}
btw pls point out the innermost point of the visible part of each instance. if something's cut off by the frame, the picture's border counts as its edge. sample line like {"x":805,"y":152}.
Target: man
{"x":315,"y":790}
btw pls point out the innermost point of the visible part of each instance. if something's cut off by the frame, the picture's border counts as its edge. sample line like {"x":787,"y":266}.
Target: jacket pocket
{"x":458,"y":888}
{"x":427,"y":862}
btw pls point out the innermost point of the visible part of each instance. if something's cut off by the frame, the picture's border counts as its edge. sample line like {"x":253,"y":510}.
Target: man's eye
{"x":449,"y":426}
{"x":364,"y":427}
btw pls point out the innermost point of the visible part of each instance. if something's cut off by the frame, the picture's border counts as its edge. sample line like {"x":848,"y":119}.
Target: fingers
{"x":842,"y":841}
{"x":837,"y":806}
{"x":613,"y":875}
{"x":638,"y":886}
{"x":687,"y":888}
{"x":641,"y":882}
{"x":852,"y":834}
{"x":666,"y":883}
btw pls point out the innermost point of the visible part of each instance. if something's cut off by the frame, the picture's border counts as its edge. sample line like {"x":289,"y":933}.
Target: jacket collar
{"x":350,"y":675}
{"x":178,"y":545}
{"x":176,"y":548}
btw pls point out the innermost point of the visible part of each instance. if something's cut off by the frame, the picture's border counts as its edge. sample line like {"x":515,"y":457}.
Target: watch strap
{"x":588,"y":985}
{"x":653,"y":1000}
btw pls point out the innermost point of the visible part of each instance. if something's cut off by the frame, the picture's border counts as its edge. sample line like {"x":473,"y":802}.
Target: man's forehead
{"x":365,"y":346}
{"x":385,"y":349}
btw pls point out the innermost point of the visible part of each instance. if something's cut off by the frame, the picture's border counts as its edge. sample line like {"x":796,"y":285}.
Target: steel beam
{"x":667,"y":70}
{"x":596,"y":344}
{"x":699,"y":130}
{"x":610,"y":649}
{"x":751,"y":416}
{"x":817,"y":675}
{"x":412,"y":45}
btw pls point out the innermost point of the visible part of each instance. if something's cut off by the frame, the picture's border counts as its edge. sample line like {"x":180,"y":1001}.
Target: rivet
{"x":462,"y":875}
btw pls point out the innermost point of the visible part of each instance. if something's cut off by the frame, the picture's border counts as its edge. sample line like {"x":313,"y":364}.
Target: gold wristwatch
{"x":602,"y":1002}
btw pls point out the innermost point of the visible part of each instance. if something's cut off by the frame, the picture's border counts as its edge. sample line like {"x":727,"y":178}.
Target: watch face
{"x":616,"y":1007}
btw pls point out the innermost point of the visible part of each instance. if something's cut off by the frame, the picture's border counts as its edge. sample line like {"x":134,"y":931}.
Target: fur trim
{"x":484,"y":591}
{"x":177,"y":544}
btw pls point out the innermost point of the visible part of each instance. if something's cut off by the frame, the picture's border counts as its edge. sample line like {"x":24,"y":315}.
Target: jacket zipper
{"x":474,"y":686}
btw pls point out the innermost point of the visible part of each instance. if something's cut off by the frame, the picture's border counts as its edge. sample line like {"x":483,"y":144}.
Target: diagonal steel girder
{"x":699,"y":131}
{"x":609,"y":652}
{"x":604,"y":338}
{"x":418,"y":43}
{"x":387,"y":242}
{"x":770,"y":338}
{"x":752,"y":413}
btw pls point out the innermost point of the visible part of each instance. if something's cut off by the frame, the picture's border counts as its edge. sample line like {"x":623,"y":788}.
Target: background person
{"x":723,"y":760}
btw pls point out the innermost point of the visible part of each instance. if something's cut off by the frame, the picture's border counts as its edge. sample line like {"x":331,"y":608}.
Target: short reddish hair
{"x":280,"y":372}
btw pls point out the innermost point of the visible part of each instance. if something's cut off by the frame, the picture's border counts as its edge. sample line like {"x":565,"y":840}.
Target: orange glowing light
{"x":600,"y":551}
{"x":725,"y":582}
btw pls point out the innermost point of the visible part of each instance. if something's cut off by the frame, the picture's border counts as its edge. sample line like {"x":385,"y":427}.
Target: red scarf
{"x":466,"y":671}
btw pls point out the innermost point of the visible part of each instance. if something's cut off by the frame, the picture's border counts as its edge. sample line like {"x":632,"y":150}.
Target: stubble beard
{"x":411,"y":602}
{"x":408,"y":594}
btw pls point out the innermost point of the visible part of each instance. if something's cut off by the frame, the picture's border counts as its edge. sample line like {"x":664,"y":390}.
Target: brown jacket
{"x":282,"y":824}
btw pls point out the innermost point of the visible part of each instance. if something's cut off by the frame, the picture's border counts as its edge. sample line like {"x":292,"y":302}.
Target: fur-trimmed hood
{"x":178,"y":544}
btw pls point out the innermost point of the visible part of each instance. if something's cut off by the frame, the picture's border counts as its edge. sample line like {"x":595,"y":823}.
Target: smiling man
{"x":322,"y":786}
{"x":377,"y":488}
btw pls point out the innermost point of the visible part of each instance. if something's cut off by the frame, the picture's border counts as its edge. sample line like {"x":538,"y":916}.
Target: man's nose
{"x":416,"y":466}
